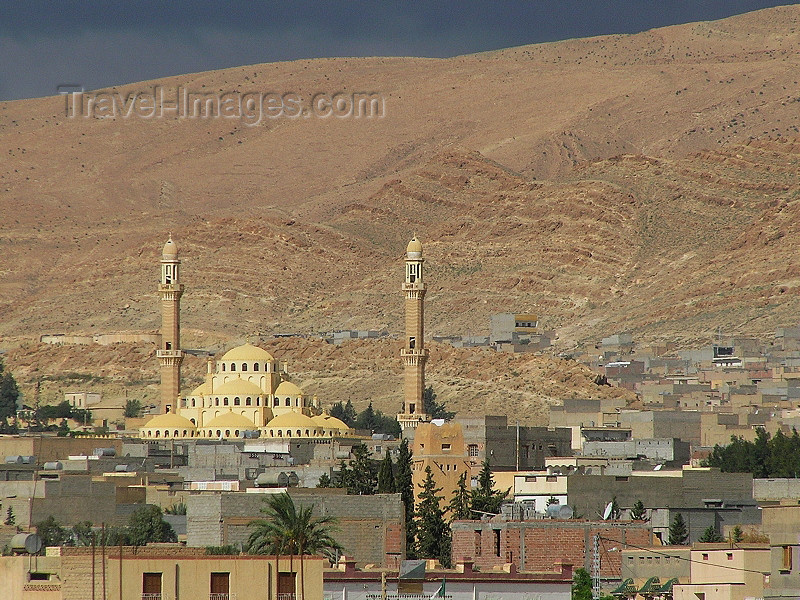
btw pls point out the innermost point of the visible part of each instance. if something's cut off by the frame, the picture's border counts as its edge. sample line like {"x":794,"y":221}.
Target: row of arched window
{"x":243,"y":367}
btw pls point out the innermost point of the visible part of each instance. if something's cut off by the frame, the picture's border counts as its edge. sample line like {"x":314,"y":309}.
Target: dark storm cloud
{"x":43,"y":44}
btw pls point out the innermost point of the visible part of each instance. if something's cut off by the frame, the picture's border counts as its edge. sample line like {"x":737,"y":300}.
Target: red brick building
{"x":535,"y":545}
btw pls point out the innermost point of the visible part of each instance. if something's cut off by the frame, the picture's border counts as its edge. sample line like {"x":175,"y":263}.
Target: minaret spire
{"x":170,"y":290}
{"x":414,"y":353}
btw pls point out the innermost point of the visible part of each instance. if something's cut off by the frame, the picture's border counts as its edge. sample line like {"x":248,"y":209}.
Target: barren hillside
{"x":607,"y":183}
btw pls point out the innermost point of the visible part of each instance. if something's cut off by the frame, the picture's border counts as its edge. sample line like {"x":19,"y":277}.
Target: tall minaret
{"x":414,"y":353}
{"x":169,"y":355}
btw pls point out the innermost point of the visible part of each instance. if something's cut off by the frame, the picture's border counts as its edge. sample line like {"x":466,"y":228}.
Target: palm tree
{"x":288,"y":530}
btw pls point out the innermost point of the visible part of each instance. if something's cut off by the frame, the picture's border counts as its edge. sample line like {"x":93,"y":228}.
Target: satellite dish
{"x":658,"y":467}
{"x":607,"y":511}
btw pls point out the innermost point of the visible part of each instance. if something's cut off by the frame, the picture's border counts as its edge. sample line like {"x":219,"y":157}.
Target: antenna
{"x":607,"y":511}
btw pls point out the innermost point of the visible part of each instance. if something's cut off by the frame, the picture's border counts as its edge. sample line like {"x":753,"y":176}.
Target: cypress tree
{"x":433,"y":535}
{"x":678,"y":533}
{"x":638,"y":511}
{"x":460,"y":506}
{"x":485,"y":499}
{"x":405,"y":485}
{"x":711,"y":535}
{"x":386,"y":475}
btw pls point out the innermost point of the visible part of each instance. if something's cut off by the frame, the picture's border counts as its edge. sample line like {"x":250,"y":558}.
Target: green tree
{"x":325,"y":481}
{"x":179,"y":508}
{"x":737,"y":535}
{"x":581,"y":585}
{"x":133,"y":408}
{"x":435,"y":409}
{"x":63,"y":428}
{"x":11,"y":519}
{"x":146,"y":524}
{"x":678,"y":533}
{"x":460,"y":506}
{"x":289,"y":530}
{"x":433,"y":534}
{"x":376,"y":422}
{"x":405,"y":485}
{"x":638,"y":512}
{"x":386,"y":475}
{"x":52,"y":533}
{"x":345,"y":413}
{"x":114,"y":536}
{"x":711,"y":535}
{"x":552,"y":500}
{"x":82,"y":533}
{"x":362,"y":478}
{"x":485,"y":499}
{"x":9,"y":397}
{"x":615,"y":510}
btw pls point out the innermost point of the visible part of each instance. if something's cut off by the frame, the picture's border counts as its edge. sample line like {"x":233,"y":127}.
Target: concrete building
{"x":511,"y":448}
{"x":82,"y":399}
{"x":664,"y":562}
{"x":158,"y":572}
{"x":371,"y":528}
{"x":464,"y":582}
{"x":414,"y":353}
{"x":725,"y":572}
{"x":512,"y":328}
{"x":781,"y":522}
{"x":441,"y":447}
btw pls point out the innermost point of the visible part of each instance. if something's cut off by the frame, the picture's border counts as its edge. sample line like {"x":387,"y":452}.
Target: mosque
{"x":247,"y":393}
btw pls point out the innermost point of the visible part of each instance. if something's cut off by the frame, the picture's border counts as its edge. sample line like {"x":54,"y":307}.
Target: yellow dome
{"x":414,"y":246}
{"x":170,"y":251}
{"x":238,"y":387}
{"x":230,"y":419}
{"x":169,"y":421}
{"x":293,"y":419}
{"x":329,"y":422}
{"x":201,"y":390}
{"x":287,"y":388}
{"x":247,"y":352}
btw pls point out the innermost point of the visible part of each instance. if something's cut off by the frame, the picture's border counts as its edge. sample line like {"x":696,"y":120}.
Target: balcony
{"x":222,"y":596}
{"x":287,"y":596}
{"x":158,"y":596}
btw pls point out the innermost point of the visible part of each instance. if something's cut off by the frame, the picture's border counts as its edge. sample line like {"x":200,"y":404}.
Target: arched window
{"x":225,"y":401}
{"x":247,"y":401}
{"x":227,"y":433}
{"x":184,"y":433}
{"x":307,"y":434}
{"x":255,"y":366}
{"x":193,"y":422}
{"x":244,"y":366}
{"x":177,"y":433}
{"x":233,"y":366}
{"x":192,"y":402}
{"x":276,"y":402}
{"x":158,"y":433}
{"x":236,"y":401}
{"x":219,"y":433}
{"x":216,"y":401}
{"x":223,"y":367}
{"x":299,"y":434}
{"x":280,"y":434}
{"x":271,"y":433}
{"x":166,"y":433}
{"x":288,"y":402}
{"x":236,"y":433}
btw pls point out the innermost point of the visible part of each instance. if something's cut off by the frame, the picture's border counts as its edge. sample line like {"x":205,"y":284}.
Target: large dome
{"x":247,"y":352}
{"x":170,"y":251}
{"x":329,"y":422}
{"x":293,"y":419}
{"x":169,"y":421}
{"x":229,"y":420}
{"x":238,"y":387}
{"x":287,"y":388}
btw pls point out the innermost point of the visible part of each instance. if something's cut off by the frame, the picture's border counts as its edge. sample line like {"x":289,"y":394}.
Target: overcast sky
{"x":47,"y":43}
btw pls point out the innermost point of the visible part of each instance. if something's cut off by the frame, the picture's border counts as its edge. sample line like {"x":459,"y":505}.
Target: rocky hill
{"x":642,"y":182}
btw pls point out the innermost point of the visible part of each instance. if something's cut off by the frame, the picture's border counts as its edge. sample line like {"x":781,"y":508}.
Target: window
{"x":288,"y":402}
{"x":168,"y":346}
{"x":729,"y":555}
{"x":787,"y":559}
{"x":244,"y":366}
{"x":530,"y":479}
{"x":223,"y":367}
{"x":276,"y":402}
{"x":255,"y":366}
{"x":236,"y":401}
{"x":233,"y":366}
{"x":412,"y":342}
{"x":247,"y":402}
{"x":705,"y":556}
{"x":220,"y":586}
{"x":151,"y":586}
{"x":473,"y":450}
{"x":225,"y":401}
{"x":478,"y":535}
{"x":286,"y":586}
{"x":496,"y":542}
{"x":551,"y":478}
{"x":445,"y":447}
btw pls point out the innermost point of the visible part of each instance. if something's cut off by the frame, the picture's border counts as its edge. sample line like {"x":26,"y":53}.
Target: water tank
{"x":53,"y":465}
{"x":292,"y":479}
{"x":559,"y":511}
{"x":26,"y":543}
{"x":14,"y":460}
{"x":104,"y":452}
{"x":272,"y":480}
{"x":124,"y":468}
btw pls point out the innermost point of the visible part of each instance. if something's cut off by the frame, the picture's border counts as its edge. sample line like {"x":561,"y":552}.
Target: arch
{"x":236,"y":401}
{"x":227,"y":433}
{"x":158,"y":433}
{"x":244,"y":366}
{"x":258,"y":401}
{"x":247,"y":401}
{"x":279,"y":433}
{"x":236,"y":433}
{"x":271,"y":433}
{"x":219,"y":433}
{"x":193,"y":402}
{"x":299,"y":433}
{"x":184,"y":433}
{"x":255,"y":366}
{"x":233,"y":366}
{"x":177,"y":433}
{"x":216,"y":401}
{"x":223,"y":367}
{"x":307,"y":434}
{"x":276,"y":402}
{"x":193,"y":422}
{"x":288,"y":402}
{"x":225,"y":401}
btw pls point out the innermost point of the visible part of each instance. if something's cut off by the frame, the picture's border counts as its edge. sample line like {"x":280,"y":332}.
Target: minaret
{"x":414,"y":353}
{"x":169,"y":355}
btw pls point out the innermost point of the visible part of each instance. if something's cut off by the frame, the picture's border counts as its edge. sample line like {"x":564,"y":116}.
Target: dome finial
{"x":414,"y":248}
{"x":170,"y":251}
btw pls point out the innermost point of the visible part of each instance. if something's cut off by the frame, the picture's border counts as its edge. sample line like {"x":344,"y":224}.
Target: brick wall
{"x":536,"y":545}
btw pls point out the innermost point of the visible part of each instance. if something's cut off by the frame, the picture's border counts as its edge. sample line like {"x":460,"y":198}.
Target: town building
{"x":439,"y":446}
{"x":725,"y":571}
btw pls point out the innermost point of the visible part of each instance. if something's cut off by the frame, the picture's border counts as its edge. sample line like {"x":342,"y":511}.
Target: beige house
{"x":158,"y":572}
{"x":440,"y":447}
{"x":726,"y":572}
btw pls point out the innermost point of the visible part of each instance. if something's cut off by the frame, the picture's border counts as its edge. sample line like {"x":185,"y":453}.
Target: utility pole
{"x":596,"y":567}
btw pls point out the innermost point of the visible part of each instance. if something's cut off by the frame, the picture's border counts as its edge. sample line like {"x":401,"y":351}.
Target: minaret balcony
{"x":170,"y":287}
{"x":417,"y":286}
{"x":168,"y":356}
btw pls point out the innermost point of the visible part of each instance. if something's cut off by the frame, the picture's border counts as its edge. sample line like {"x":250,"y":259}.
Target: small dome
{"x":170,"y":251}
{"x":201,"y":390}
{"x":230,"y":419}
{"x":247,"y":352}
{"x":329,"y":422}
{"x":287,"y":388}
{"x":293,"y":419}
{"x":414,"y":246}
{"x":238,"y":387}
{"x":169,"y":421}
